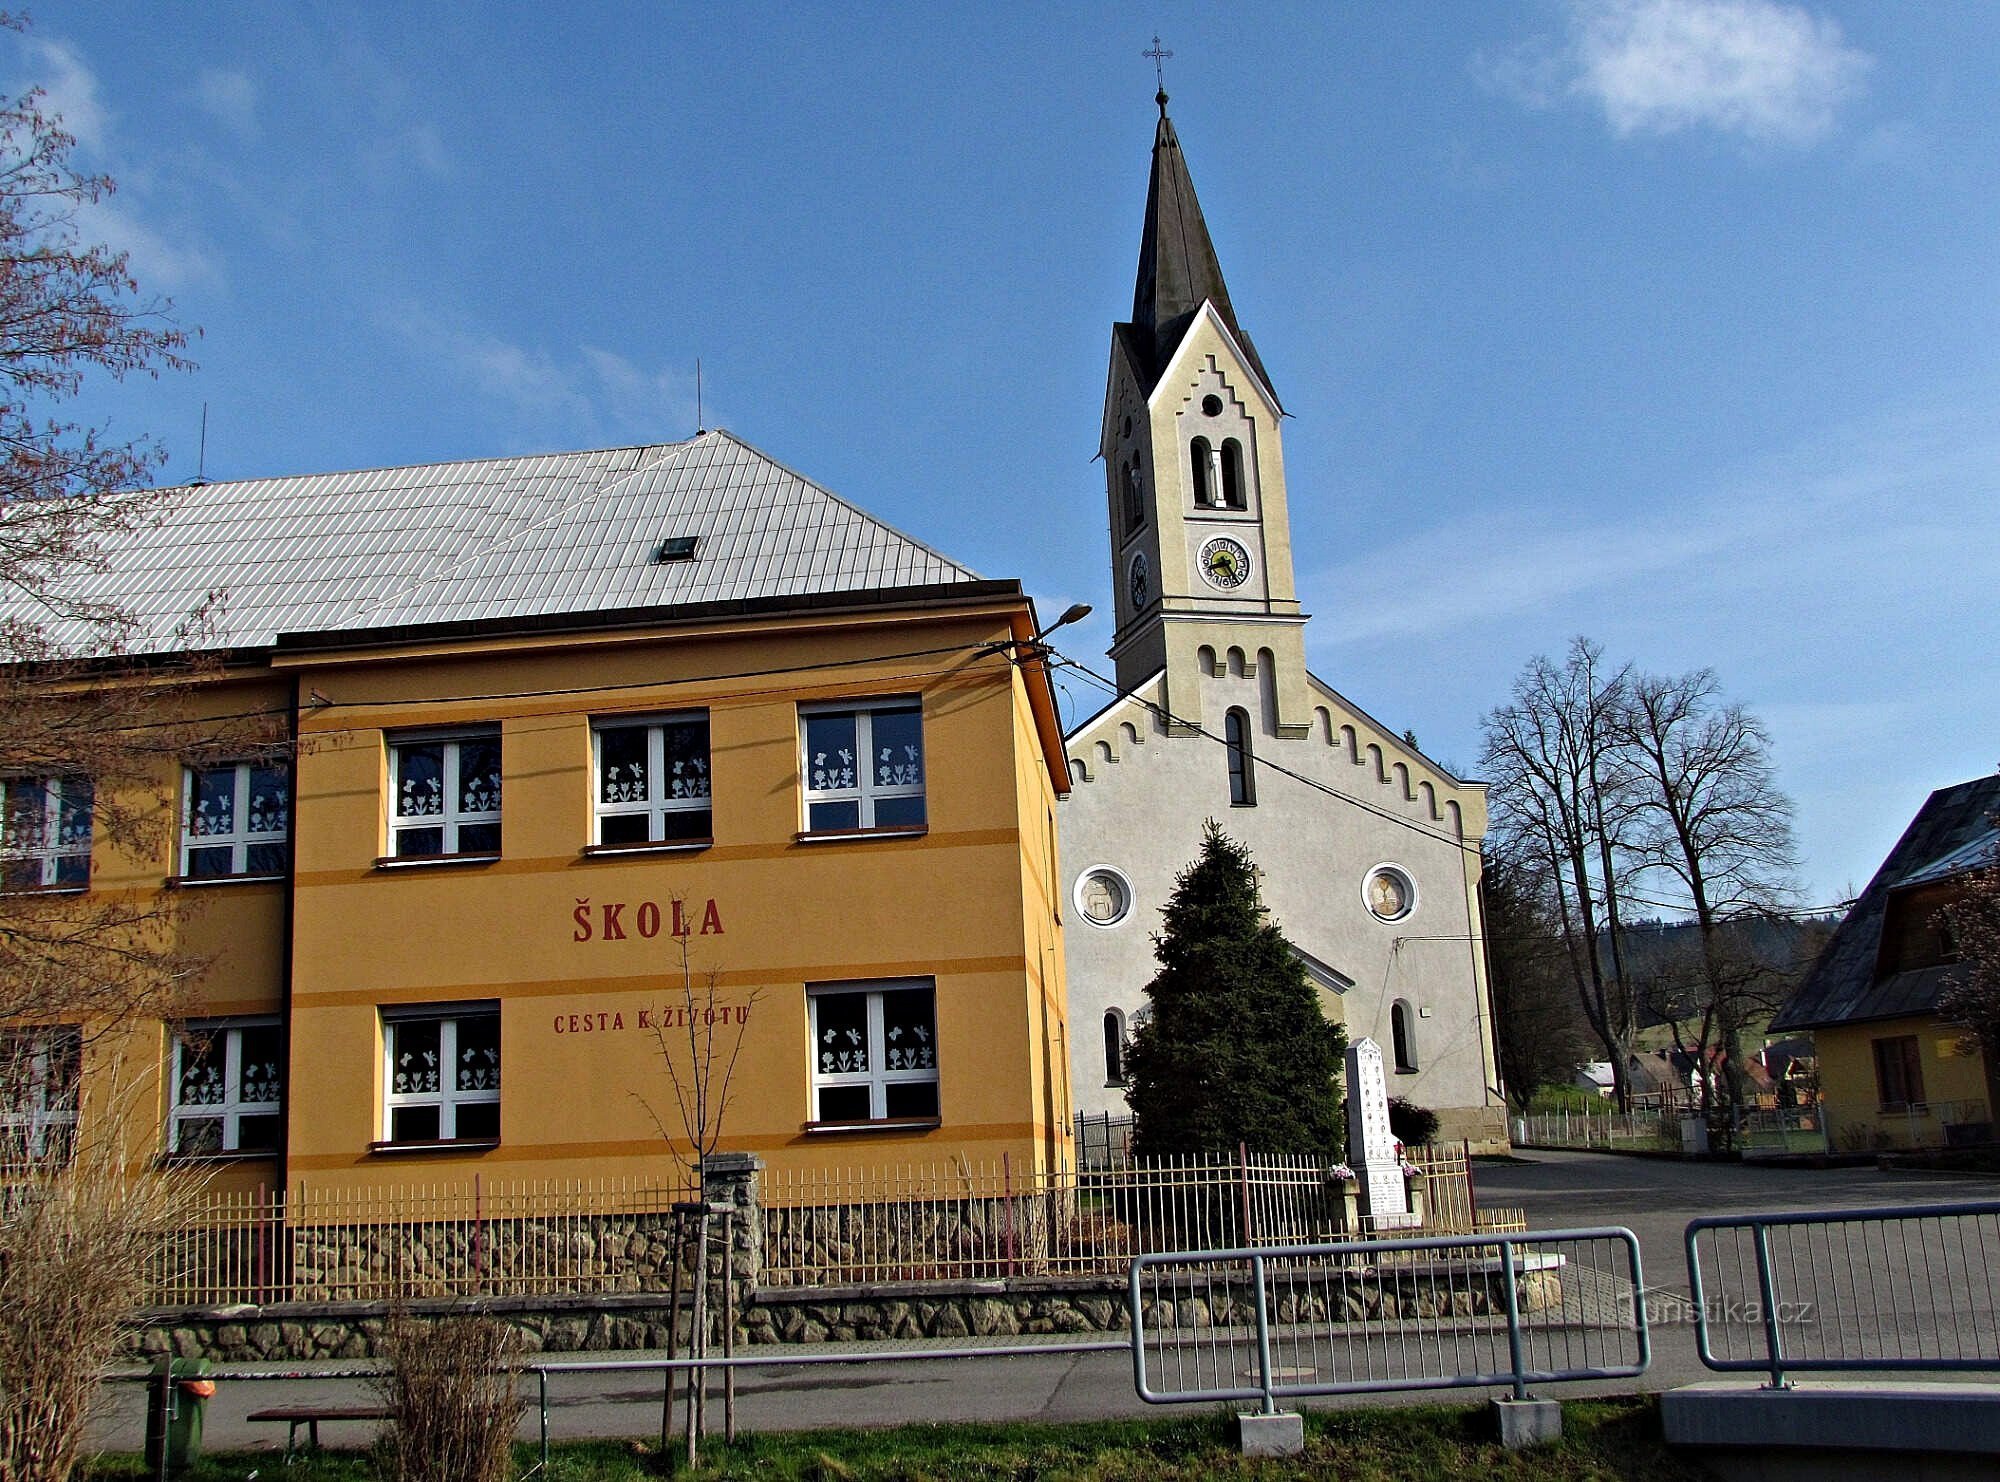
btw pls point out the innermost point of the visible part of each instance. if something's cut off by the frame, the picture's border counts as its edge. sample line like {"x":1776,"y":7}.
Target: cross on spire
{"x":1159,"y":56}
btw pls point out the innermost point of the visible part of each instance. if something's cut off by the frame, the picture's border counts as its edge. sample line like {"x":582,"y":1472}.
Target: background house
{"x":1892,"y":1072}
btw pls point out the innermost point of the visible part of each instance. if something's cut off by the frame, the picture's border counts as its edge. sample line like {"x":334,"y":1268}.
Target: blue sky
{"x":1673,"y":322}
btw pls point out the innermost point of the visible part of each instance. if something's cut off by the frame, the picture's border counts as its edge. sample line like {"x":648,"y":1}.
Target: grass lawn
{"x":1602,"y":1439}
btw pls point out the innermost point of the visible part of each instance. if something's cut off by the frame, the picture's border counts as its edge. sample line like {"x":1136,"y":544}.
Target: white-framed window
{"x":41,"y":1082}
{"x":236,"y":819}
{"x":652,"y":780}
{"x":45,"y":828}
{"x":874,"y":1050}
{"x":444,"y":795}
{"x":229,"y":1077}
{"x":441,"y":1074}
{"x":864,"y":766}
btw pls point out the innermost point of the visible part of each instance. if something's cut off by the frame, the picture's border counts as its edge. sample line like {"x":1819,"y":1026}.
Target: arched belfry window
{"x":1402,"y":1036}
{"x":1135,"y":506}
{"x":1199,"y":457}
{"x":1232,"y":475}
{"x":1114,"y":1048}
{"x":1242,"y":779}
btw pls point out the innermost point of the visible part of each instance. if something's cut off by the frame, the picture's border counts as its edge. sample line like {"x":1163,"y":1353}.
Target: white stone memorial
{"x":1371,"y":1146}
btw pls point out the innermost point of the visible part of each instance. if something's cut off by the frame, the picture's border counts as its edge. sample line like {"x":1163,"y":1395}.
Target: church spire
{"x":1178,"y":268}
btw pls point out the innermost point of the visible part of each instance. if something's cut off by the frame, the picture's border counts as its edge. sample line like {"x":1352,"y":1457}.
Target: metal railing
{"x":1896,"y":1287}
{"x":1275,"y":1323}
{"x":477,"y":1238}
{"x":985,"y":1221}
{"x":1650,"y":1131}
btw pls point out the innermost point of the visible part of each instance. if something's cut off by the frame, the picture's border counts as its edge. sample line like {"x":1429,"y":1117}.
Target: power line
{"x":1111,"y":687}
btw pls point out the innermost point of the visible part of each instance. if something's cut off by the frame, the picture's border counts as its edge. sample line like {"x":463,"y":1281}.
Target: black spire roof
{"x":1178,"y":269}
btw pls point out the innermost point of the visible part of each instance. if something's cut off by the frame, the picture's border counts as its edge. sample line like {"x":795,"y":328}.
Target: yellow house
{"x":1893,"y":1072}
{"x":588,"y":761}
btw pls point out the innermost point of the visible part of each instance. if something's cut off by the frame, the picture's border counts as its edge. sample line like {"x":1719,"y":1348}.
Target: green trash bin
{"x":177,"y":1400}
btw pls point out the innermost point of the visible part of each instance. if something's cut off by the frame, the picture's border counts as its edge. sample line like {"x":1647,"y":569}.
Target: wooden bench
{"x":310,"y":1416}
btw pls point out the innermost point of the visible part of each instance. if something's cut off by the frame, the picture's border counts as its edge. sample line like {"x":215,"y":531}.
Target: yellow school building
{"x":579,"y":764}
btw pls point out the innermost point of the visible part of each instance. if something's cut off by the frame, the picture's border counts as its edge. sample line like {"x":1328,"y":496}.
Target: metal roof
{"x":1842,"y":987}
{"x":492,"y":540}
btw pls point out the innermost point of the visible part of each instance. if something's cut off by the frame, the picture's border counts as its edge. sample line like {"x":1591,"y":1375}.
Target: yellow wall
{"x":968,"y":903}
{"x":1855,"y":1118}
{"x":954,"y":904}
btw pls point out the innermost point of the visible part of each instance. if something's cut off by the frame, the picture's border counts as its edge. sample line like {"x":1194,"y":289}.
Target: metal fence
{"x":959,"y":1220}
{"x":1275,"y":1323}
{"x":1625,"y":1131}
{"x":1897,"y":1287}
{"x":480,"y":1238}
{"x":975,"y":1221}
{"x":968,"y":1220}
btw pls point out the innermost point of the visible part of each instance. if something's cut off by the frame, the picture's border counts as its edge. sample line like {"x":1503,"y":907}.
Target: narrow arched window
{"x":1114,"y":1048}
{"x":1402,"y":1036}
{"x":1135,"y":507}
{"x":1242,"y":781}
{"x":1198,"y":459}
{"x":1232,"y":475}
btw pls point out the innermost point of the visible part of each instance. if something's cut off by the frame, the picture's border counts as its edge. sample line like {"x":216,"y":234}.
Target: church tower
{"x":1195,"y":477}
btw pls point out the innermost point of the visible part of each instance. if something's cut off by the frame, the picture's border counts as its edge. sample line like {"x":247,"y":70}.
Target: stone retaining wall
{"x":964,"y":1310}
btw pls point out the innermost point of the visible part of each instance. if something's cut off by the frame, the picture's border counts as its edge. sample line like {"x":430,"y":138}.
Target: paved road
{"x":1655,"y":1198}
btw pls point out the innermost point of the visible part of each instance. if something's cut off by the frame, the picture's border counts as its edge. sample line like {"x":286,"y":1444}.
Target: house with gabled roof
{"x":1894,"y":1071}
{"x":572,"y":762}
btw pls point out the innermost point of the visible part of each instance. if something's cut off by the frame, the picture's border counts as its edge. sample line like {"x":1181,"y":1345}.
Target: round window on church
{"x":1211,"y":406}
{"x":1103,"y":896}
{"x":1389,"y":893}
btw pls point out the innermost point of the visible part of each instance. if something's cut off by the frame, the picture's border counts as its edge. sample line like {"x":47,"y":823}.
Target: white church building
{"x":1368,"y":850}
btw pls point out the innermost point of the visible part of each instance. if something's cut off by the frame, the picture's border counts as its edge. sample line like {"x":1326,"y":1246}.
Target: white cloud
{"x":160,"y":260}
{"x":228,"y":96}
{"x":1840,"y":533}
{"x":1765,"y":70}
{"x":596,"y":397}
{"x":61,"y":72}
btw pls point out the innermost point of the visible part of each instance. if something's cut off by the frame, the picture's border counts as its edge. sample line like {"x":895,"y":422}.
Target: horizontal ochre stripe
{"x":624,"y":696}
{"x":720,"y":853}
{"x":651,"y":984}
{"x":549,"y":1152}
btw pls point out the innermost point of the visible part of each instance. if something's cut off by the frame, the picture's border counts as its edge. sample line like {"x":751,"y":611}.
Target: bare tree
{"x":1559,"y":786}
{"x":1710,"y":823}
{"x":700,"y":1040}
{"x":90,"y":726}
{"x":84,"y":723}
{"x":81,"y":1238}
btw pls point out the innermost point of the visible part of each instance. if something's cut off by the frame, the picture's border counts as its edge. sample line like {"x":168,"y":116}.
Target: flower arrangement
{"x":1340,"y":1173}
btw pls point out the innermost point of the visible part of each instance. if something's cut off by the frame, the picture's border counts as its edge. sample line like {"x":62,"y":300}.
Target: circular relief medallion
{"x":1389,"y":893}
{"x":1104,"y":896}
{"x":1224,"y":563}
{"x":1139,"y":580}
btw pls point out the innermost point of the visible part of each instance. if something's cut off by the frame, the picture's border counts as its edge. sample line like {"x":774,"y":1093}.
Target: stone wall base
{"x":1483,"y":1127}
{"x":961,"y":1310}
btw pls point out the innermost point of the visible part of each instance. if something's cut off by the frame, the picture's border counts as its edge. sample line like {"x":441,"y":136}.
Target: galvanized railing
{"x":478,"y":1237}
{"x":1895,"y":1287}
{"x":1276,"y":1323}
{"x":966,"y":1220}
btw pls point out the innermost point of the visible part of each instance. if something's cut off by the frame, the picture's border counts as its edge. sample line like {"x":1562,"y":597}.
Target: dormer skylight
{"x":676,"y":548}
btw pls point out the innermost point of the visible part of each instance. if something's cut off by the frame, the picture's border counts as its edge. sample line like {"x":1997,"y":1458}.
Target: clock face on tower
{"x":1139,"y":581}
{"x":1225,"y":564}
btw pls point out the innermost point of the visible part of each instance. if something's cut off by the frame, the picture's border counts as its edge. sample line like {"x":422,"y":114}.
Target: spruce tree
{"x":1235,"y":1048}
